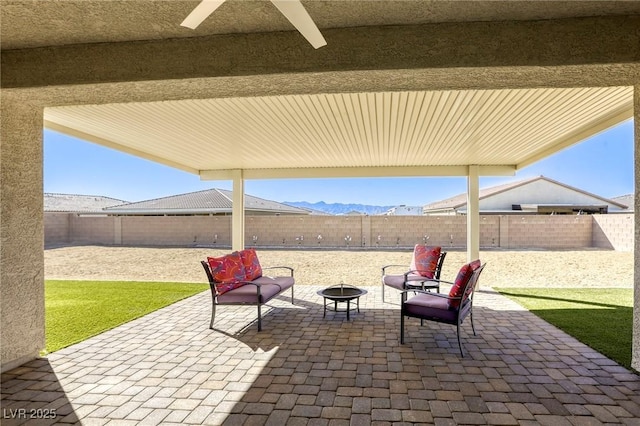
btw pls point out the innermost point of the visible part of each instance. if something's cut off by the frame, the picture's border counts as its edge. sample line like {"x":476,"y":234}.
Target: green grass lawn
{"x":600,"y":318}
{"x":77,"y":310}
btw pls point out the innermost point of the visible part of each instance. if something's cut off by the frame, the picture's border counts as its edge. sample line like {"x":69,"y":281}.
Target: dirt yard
{"x":583,"y":268}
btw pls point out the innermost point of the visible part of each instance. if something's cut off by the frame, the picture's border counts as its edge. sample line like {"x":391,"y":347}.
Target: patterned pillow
{"x":251,"y":264}
{"x":425,"y":260}
{"x":227,"y":271}
{"x":464,"y":275}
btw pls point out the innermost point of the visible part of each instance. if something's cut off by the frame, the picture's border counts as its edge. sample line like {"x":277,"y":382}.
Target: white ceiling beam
{"x":358,"y":172}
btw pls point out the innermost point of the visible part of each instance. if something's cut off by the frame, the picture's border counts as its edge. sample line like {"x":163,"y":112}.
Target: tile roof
{"x":206,"y":201}
{"x":54,"y":202}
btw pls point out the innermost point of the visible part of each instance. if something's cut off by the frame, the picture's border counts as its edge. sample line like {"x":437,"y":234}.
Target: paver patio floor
{"x":303,"y":369}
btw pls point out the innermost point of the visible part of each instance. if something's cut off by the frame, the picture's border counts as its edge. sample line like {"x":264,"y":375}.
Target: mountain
{"x":339,"y":208}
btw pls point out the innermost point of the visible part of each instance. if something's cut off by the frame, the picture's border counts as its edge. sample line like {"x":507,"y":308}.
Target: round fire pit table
{"x":341,"y":293}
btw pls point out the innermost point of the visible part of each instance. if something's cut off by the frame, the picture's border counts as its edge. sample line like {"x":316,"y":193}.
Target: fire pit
{"x":341,"y":293}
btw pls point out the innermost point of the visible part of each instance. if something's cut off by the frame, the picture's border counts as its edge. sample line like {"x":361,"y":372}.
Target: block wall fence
{"x":614,"y":231}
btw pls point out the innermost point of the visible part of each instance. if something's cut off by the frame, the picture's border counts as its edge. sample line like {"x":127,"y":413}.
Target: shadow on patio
{"x":33,"y":393}
{"x":168,"y":367}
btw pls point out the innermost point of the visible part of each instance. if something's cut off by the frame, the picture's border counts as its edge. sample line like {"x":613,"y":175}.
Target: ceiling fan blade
{"x":295,"y":12}
{"x":201,"y":12}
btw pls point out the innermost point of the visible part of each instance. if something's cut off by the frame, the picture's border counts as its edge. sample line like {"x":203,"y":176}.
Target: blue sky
{"x":602,"y":165}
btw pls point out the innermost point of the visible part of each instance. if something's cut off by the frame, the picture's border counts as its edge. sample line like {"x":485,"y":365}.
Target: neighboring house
{"x":208,"y":202}
{"x":404,"y":211}
{"x":539,"y":195}
{"x":315,"y":212}
{"x":627,"y":200}
{"x":73,"y":203}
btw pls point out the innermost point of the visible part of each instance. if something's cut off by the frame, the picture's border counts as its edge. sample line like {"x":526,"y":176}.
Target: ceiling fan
{"x":293,"y":10}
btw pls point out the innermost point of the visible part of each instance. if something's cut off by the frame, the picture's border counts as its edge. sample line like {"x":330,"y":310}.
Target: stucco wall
{"x":635,"y":348}
{"x":506,"y":231}
{"x":21,"y":233}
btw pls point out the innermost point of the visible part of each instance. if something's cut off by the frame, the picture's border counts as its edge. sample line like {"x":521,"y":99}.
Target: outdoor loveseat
{"x":236,"y":279}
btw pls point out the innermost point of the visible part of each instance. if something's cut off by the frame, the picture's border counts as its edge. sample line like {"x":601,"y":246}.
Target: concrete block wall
{"x":507,"y":231}
{"x":614,"y":231}
{"x":91,"y":229}
{"x":549,"y":232}
{"x":56,"y":228}
{"x":293,"y":231}
{"x":407,"y":231}
{"x":176,"y":230}
{"x":489,"y":231}
{"x":355,"y":231}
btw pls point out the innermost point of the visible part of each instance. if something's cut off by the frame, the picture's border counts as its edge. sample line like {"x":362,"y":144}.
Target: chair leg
{"x":213,"y":315}
{"x":401,"y":328}
{"x":383,"y":292}
{"x":459,"y":343}
{"x":471,"y":319}
{"x":292,"y":295}
{"x":259,"y":317}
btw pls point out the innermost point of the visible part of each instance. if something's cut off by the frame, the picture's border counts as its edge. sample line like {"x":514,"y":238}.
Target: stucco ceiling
{"x":38,"y":23}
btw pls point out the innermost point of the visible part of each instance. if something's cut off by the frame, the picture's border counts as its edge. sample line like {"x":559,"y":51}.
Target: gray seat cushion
{"x":397,"y":281}
{"x":269,"y":288}
{"x":430,"y":306}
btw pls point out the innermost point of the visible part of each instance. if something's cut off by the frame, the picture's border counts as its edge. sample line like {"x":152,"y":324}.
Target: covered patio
{"x":441,"y":88}
{"x":303,"y":369}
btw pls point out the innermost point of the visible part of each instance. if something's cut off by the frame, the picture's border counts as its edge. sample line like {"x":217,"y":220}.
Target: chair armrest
{"x":440,"y":295}
{"x":389,"y":266}
{"x":418,"y":278}
{"x":290,"y":269}
{"x":417,"y":272}
{"x":436,"y":280}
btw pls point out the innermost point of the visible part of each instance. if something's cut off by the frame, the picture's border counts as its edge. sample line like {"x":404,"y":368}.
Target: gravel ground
{"x":505,"y":268}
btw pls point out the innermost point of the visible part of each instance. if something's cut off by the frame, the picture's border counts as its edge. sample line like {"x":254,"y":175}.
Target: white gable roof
{"x":536,"y":191}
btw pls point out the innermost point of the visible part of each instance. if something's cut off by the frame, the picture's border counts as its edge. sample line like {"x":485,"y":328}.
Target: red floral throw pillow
{"x":464,"y":275}
{"x":227,"y":271}
{"x":425,"y":260}
{"x":252,"y":268}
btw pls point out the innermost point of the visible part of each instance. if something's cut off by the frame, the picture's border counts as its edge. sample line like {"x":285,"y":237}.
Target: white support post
{"x":237,"y":213}
{"x":473,"y":213}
